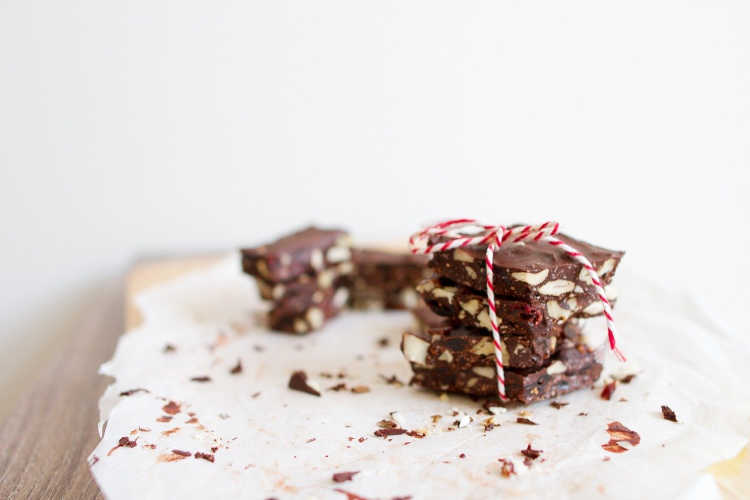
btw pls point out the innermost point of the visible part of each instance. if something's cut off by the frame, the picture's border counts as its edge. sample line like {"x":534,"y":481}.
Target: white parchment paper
{"x":273,"y":442}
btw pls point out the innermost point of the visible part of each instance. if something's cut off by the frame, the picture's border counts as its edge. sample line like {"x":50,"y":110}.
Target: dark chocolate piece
{"x":668,"y":414}
{"x":340,"y":477}
{"x":303,"y":313}
{"x":298,"y":382}
{"x":385,"y":279}
{"x":573,"y":367}
{"x":533,"y":317}
{"x":307,"y":251}
{"x":460,"y":348}
{"x":532,"y":269}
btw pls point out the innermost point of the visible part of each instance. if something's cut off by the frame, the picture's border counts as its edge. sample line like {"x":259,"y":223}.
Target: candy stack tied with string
{"x":305,"y":274}
{"x":538,"y":341}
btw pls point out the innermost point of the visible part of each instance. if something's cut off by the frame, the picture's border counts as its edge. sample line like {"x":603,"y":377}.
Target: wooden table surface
{"x":50,"y":432}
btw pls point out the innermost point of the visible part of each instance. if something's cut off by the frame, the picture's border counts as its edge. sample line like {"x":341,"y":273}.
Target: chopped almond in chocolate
{"x":524,"y":420}
{"x":389,"y":432}
{"x":668,"y":414}
{"x":205,"y":456}
{"x":608,"y":390}
{"x":531,"y":453}
{"x":558,"y":404}
{"x":360,"y":389}
{"x":171,"y":408}
{"x":236,"y":368}
{"x":298,"y":382}
{"x":340,"y":477}
{"x":133,"y":391}
{"x":201,"y":378}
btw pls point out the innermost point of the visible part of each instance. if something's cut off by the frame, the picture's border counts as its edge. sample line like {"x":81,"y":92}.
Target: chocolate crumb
{"x":310,"y":440}
{"x":201,"y":378}
{"x":298,"y":382}
{"x":360,"y":389}
{"x":608,"y":390}
{"x":383,"y":342}
{"x":531,"y":453}
{"x":258,"y":348}
{"x":123,"y":442}
{"x":507,"y":469}
{"x":617,"y":433}
{"x":583,"y":414}
{"x":340,"y":477}
{"x":191,"y":420}
{"x":606,"y":459}
{"x":182,"y":453}
{"x":416,"y":434}
{"x":171,"y":408}
{"x":435,"y":418}
{"x":214,"y":448}
{"x":236,"y":368}
{"x":338,"y":387}
{"x":524,"y":420}
{"x":389,"y":432}
{"x":392,"y":380}
{"x":204,"y":456}
{"x":164,"y":418}
{"x":527,"y":461}
{"x":150,"y":446}
{"x":362,"y":440}
{"x":133,"y":391}
{"x":668,"y":414}
{"x":623,"y":400}
{"x":169,"y":348}
{"x":462,"y":455}
{"x":627,"y":378}
{"x":558,"y":404}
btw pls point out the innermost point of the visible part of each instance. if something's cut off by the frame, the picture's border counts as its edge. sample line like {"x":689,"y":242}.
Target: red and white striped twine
{"x":494,"y":237}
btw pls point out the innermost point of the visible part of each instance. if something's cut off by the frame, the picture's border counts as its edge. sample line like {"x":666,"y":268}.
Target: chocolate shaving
{"x":133,"y":391}
{"x":617,"y":433}
{"x":182,"y":453}
{"x":668,"y":414}
{"x":608,"y":390}
{"x":416,"y":434}
{"x":236,"y":368}
{"x":524,"y":420}
{"x":389,"y":432}
{"x":298,"y":382}
{"x":340,"y":477}
{"x":558,"y":404}
{"x":338,"y":387}
{"x":201,"y":378}
{"x":360,"y":389}
{"x":613,"y":447}
{"x":204,"y":456}
{"x":171,"y":408}
{"x":164,"y":418}
{"x":349,"y":494}
{"x":531,"y":453}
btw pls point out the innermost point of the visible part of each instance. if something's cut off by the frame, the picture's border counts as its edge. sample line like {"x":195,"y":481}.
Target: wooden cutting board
{"x":52,"y":428}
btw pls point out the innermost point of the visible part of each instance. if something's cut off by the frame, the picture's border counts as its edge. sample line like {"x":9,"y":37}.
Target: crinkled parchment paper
{"x":269,"y":441}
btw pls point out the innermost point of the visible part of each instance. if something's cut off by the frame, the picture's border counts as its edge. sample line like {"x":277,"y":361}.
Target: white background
{"x":130,"y":129}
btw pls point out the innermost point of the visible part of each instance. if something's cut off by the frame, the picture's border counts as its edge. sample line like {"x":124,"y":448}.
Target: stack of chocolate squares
{"x":306,"y":276}
{"x":542,"y":298}
{"x":386,"y":278}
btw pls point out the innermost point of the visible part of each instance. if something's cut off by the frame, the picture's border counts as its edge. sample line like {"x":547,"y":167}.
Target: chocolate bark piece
{"x":531,"y":269}
{"x":575,"y":366}
{"x":531,"y":316}
{"x":306,"y":251}
{"x":306,"y":284}
{"x":458,"y":348}
{"x":303,"y":310}
{"x":385,"y":279}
